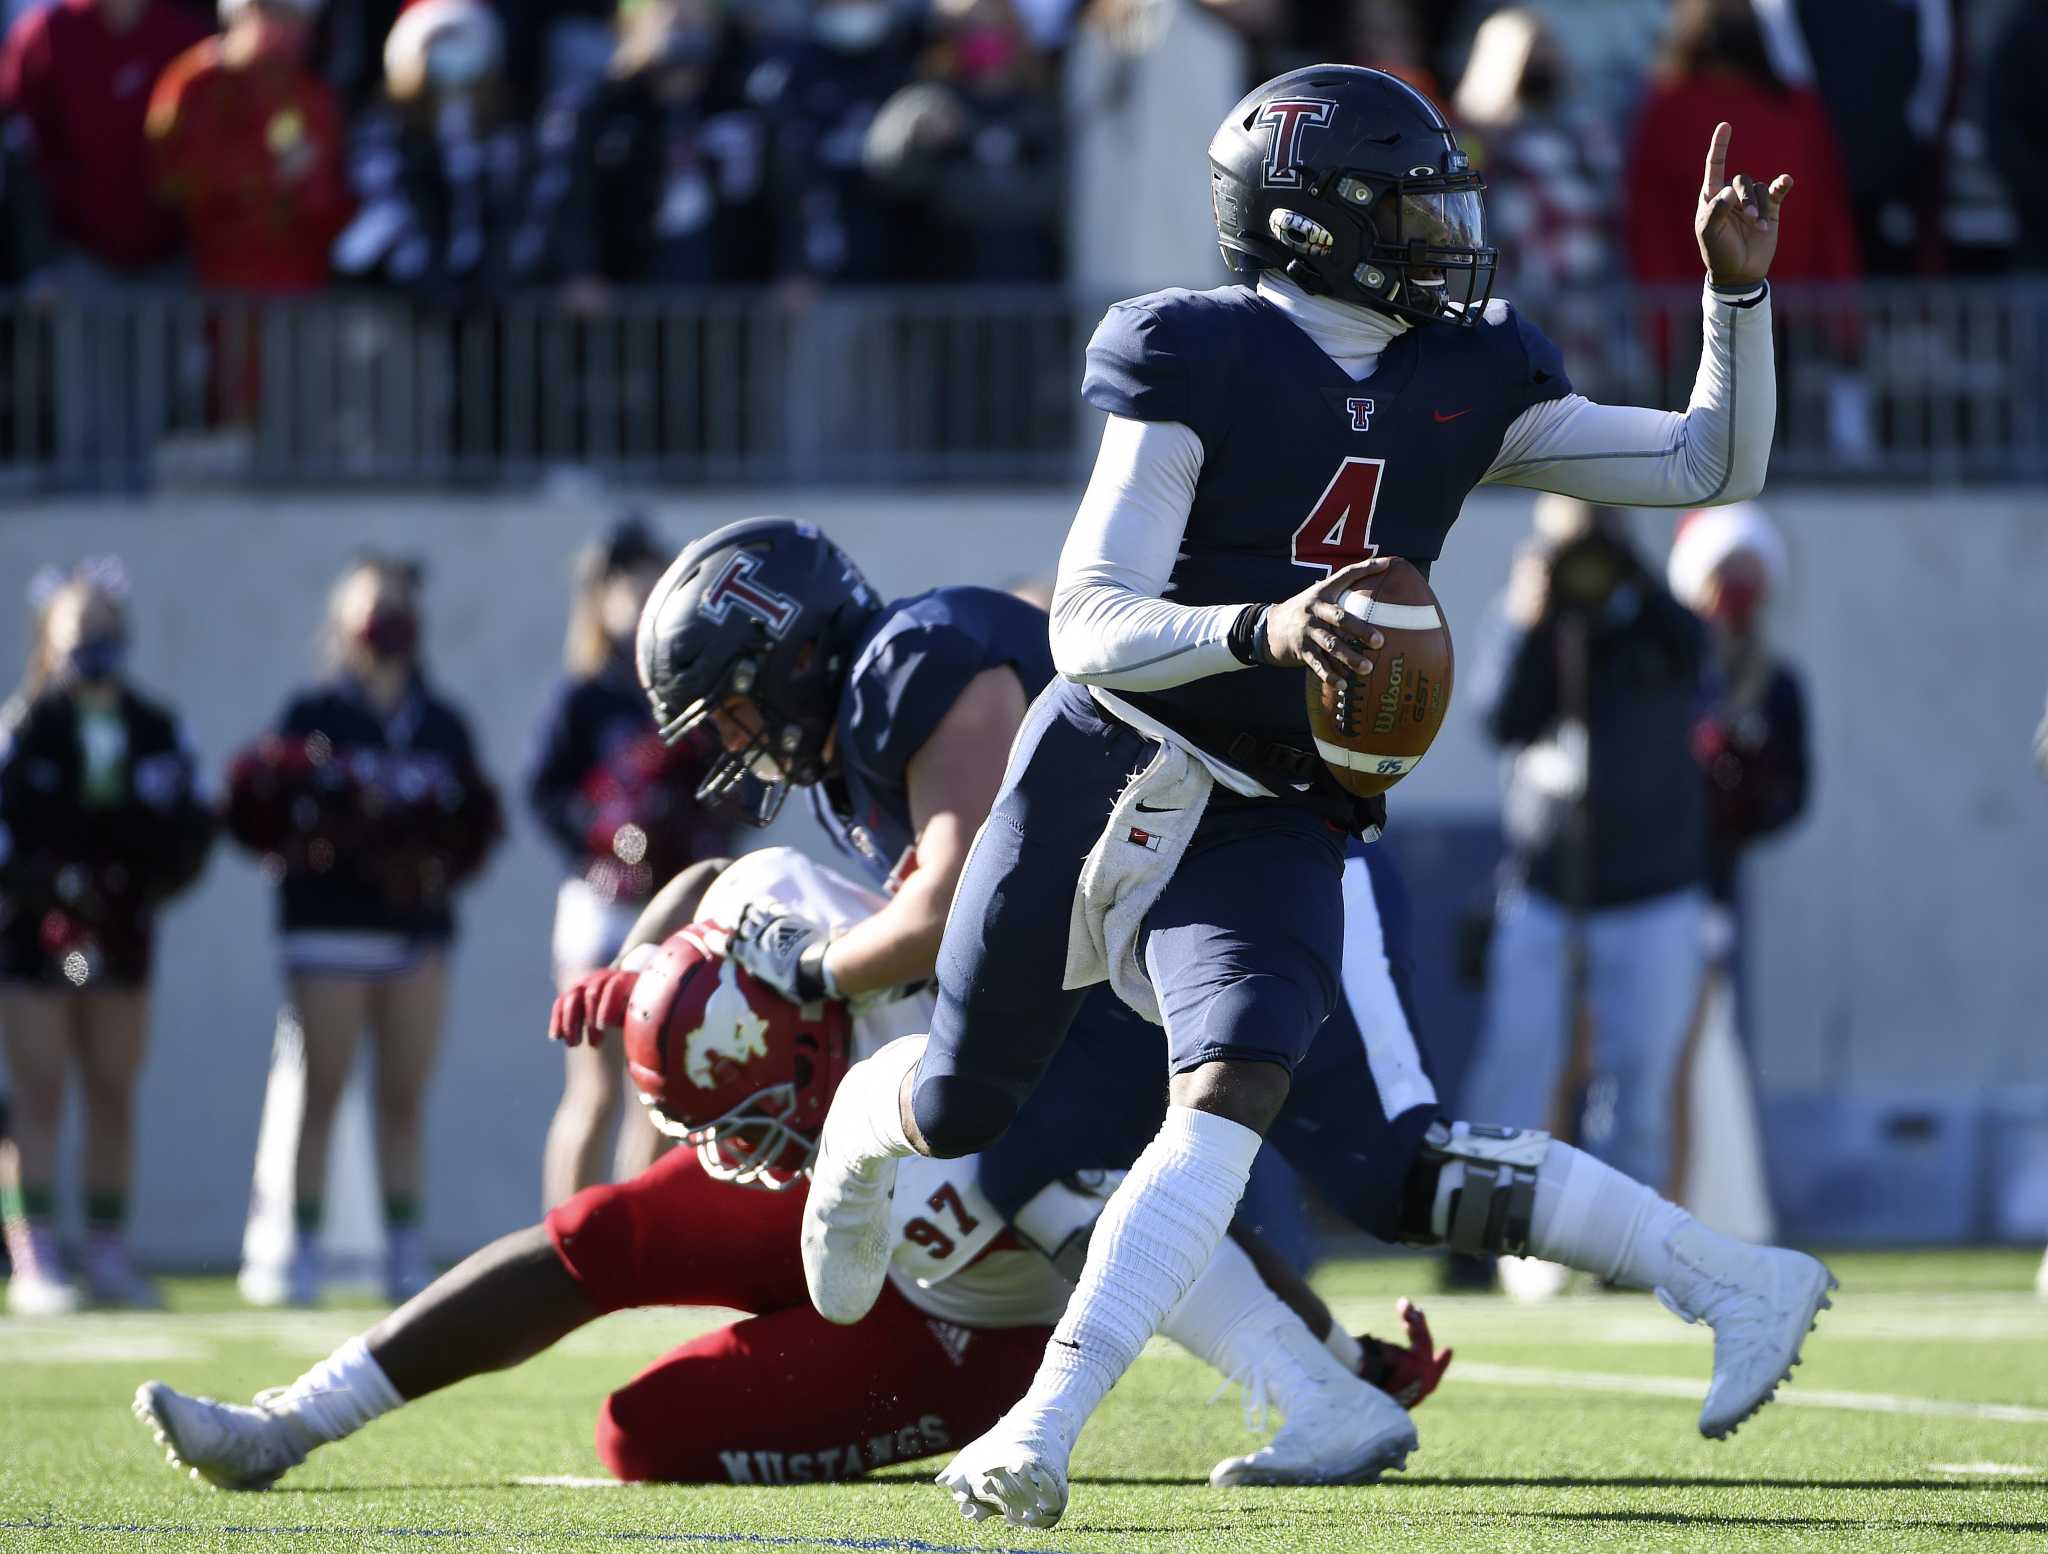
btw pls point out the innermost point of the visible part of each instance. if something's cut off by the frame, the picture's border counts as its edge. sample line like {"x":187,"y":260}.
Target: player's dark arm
{"x":673,"y":906}
{"x":952,"y":780}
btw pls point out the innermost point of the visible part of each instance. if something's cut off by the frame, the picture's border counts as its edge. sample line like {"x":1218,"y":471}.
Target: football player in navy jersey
{"x":1266,"y":443}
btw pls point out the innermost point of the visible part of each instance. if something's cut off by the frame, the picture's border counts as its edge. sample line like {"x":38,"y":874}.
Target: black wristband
{"x":812,"y":984}
{"x":1245,"y":633}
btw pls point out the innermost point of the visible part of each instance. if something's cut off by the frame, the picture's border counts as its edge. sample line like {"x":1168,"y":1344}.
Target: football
{"x":1372,"y":731}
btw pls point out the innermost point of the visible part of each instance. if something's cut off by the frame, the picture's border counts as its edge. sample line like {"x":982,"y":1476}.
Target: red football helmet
{"x":725,"y":1063}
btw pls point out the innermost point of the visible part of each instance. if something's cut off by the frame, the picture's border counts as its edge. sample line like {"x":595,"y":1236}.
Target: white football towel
{"x":1148,"y":832}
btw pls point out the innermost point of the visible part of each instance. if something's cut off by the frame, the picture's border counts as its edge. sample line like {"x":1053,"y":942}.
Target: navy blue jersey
{"x":909,"y":667}
{"x":1305,"y":469}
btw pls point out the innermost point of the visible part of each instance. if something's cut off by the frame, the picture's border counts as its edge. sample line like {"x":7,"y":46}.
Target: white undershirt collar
{"x":1350,"y":335}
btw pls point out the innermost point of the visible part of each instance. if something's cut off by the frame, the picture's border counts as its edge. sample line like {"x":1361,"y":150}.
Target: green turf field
{"x":1919,"y":1421}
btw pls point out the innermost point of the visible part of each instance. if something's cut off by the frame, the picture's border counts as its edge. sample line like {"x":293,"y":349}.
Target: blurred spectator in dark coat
{"x":77,"y":74}
{"x":1716,"y":67}
{"x":248,"y":148}
{"x":621,"y":807}
{"x":669,"y":165}
{"x":1551,"y":168}
{"x":2016,"y":125}
{"x":1602,"y":926}
{"x":976,"y":145}
{"x":820,"y":94}
{"x":100,"y":825}
{"x":1750,"y":742}
{"x":459,"y":201}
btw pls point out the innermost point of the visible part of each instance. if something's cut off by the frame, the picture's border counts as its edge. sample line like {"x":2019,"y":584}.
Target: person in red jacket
{"x":248,"y":148}
{"x":1715,"y":68}
{"x":78,"y":74}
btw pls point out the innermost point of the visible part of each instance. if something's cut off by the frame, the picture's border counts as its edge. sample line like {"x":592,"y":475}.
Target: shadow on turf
{"x":1678,"y":1519}
{"x":1560,"y":1481}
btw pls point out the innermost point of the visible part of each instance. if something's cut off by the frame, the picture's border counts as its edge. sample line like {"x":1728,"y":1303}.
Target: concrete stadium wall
{"x":1899,"y":932}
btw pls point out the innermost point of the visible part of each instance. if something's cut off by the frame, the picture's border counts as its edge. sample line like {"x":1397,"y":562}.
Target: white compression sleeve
{"x":1717,"y":451}
{"x":1109,"y":625}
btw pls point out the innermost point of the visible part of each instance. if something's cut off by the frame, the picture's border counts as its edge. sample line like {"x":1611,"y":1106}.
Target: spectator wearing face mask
{"x":458,"y":203}
{"x":248,"y":149}
{"x":99,"y":827}
{"x":368,"y":806}
{"x":976,"y":145}
{"x":1750,"y":743}
{"x":1551,"y":168}
{"x":669,"y":163}
{"x":820,"y":93}
{"x":621,"y":807}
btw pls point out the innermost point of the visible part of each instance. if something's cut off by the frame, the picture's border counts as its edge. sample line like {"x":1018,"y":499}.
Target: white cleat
{"x":846,"y":1238}
{"x":1761,"y":1302}
{"x":2041,"y":1278}
{"x":227,"y":1445}
{"x":1017,"y":1471}
{"x":1339,"y":1429}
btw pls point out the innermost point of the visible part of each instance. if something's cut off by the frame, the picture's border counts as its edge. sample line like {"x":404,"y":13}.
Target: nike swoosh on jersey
{"x":1441,"y":417}
{"x":1156,"y":809}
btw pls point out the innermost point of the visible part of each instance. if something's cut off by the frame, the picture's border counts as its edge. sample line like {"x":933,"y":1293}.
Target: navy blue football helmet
{"x":1350,"y":182}
{"x":765,"y":612}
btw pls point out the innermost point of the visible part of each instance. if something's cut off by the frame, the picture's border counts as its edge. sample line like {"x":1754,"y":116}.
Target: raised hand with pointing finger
{"x":1737,"y":219}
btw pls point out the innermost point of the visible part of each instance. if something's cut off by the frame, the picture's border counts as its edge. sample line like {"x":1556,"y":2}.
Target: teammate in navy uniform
{"x":1265,"y":443}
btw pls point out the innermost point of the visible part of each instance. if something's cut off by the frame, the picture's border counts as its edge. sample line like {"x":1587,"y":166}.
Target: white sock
{"x":1349,"y":1351}
{"x":1590,"y":1216}
{"x":1161,"y":1229}
{"x":1212,"y":1321}
{"x":871,"y":1124}
{"x":340,"y":1395}
{"x":1232,"y":1319}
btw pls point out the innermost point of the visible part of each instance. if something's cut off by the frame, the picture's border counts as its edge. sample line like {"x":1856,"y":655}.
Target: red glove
{"x":1406,"y":1375}
{"x":591,"y":1005}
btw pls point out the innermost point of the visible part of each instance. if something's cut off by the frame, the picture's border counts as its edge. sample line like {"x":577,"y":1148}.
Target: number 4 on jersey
{"x":1338,"y":531}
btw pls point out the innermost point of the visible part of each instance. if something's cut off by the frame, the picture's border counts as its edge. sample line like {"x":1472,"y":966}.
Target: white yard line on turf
{"x":1986,"y":1469}
{"x":568,"y":1481}
{"x":1792,"y":1397}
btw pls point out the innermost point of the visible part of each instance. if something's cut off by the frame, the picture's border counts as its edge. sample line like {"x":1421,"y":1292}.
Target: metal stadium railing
{"x":138,"y":390}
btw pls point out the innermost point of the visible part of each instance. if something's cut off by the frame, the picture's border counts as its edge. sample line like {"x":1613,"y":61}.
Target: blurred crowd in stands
{"x":456,"y":150}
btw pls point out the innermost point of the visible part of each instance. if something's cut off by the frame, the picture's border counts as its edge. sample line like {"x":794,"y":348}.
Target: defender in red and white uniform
{"x":745,"y":1076}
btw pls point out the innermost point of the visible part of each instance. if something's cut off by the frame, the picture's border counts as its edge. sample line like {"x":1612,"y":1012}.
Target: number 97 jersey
{"x":1305,"y":469}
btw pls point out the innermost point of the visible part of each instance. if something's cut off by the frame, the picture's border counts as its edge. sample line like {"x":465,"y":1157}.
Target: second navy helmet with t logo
{"x":755,"y":619}
{"x":1350,"y":182}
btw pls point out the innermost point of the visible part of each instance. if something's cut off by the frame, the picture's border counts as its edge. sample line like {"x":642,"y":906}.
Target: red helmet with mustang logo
{"x":727,"y":1064}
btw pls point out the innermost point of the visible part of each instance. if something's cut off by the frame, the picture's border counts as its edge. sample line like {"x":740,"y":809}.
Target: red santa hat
{"x":468,"y":24}
{"x":1708,"y":536}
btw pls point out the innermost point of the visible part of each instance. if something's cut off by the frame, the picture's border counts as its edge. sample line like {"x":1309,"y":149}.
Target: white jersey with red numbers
{"x":955,"y":1259}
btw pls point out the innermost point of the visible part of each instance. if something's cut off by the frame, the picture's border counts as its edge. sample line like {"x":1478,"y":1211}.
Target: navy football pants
{"x":1242,"y":946}
{"x":1104,"y":1096}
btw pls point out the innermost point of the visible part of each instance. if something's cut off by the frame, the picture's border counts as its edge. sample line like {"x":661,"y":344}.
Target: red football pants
{"x":784,"y":1397}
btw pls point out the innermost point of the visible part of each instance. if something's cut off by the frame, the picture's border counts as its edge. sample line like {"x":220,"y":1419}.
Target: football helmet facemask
{"x":756,"y":622}
{"x":1350,"y":182}
{"x":729,"y":1066}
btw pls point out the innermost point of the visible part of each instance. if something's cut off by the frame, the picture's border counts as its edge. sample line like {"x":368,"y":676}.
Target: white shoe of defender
{"x":2041,"y":1278}
{"x":1761,"y":1301}
{"x":227,"y":1445}
{"x":845,"y":1238}
{"x":1017,"y":1471}
{"x":1342,"y":1430}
